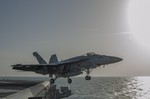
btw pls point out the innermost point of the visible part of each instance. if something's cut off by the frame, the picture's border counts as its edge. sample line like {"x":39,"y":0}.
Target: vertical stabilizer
{"x":39,"y":58}
{"x":53,"y":59}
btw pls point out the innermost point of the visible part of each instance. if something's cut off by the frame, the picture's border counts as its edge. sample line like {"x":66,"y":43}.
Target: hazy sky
{"x":69,"y":28}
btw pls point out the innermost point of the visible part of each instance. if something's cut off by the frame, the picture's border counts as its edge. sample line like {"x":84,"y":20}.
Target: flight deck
{"x":32,"y":90}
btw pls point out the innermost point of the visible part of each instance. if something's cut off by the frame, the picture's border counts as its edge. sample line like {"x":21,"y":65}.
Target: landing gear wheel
{"x":87,"y":77}
{"x":52,"y":81}
{"x":88,"y":71}
{"x":69,"y":81}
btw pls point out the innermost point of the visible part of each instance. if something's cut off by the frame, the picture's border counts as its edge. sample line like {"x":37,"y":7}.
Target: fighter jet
{"x":67,"y":68}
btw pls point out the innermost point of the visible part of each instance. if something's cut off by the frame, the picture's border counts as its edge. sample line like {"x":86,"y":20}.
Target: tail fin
{"x":39,"y":58}
{"x":53,"y":59}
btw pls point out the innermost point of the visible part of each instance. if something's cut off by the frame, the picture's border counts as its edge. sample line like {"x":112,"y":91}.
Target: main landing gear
{"x":69,"y":80}
{"x":52,"y":80}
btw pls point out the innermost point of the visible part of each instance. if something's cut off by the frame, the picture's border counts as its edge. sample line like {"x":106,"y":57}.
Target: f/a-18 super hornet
{"x":67,"y":68}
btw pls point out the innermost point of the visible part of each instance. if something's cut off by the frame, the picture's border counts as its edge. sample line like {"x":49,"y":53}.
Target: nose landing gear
{"x":88,"y":71}
{"x":87,"y":77}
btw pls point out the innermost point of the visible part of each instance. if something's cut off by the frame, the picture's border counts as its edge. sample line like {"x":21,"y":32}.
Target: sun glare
{"x":139,"y":19}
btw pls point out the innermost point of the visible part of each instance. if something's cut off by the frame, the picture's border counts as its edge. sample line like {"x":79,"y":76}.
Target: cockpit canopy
{"x":90,"y":54}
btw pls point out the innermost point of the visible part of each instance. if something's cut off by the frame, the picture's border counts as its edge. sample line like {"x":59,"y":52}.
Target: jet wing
{"x":33,"y":67}
{"x":29,"y":67}
{"x":67,"y":62}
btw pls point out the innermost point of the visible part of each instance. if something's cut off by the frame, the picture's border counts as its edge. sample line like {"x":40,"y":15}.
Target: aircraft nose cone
{"x":114,"y":59}
{"x":117,"y":59}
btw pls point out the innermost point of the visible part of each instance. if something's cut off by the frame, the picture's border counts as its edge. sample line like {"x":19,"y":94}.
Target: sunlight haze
{"x":70,"y":28}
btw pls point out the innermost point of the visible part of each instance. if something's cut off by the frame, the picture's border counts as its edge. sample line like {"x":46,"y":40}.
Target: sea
{"x":103,"y":87}
{"x":110,"y":88}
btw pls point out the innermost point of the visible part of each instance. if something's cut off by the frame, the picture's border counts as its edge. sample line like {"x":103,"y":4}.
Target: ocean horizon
{"x":100,"y":87}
